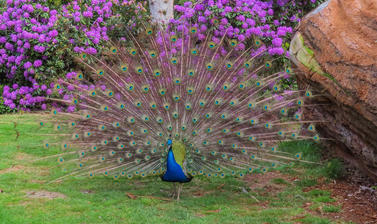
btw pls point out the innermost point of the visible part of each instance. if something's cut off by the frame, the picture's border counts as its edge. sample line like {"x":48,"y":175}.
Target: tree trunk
{"x":161,"y":10}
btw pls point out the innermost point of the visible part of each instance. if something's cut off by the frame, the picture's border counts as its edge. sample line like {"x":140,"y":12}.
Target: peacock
{"x":176,"y":104}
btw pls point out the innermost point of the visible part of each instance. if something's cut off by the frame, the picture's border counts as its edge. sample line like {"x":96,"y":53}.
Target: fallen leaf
{"x":213,"y":211}
{"x":198,"y":193}
{"x":132,"y":196}
{"x":220,"y":186}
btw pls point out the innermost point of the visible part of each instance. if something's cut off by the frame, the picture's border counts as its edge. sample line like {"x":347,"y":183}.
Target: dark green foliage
{"x":334,"y":169}
{"x":4,"y":109}
{"x":309,"y":149}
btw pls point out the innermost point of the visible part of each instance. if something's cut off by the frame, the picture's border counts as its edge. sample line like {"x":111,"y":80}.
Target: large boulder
{"x":335,"y":54}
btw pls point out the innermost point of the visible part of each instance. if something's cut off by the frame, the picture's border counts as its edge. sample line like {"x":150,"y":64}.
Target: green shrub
{"x":334,"y":169}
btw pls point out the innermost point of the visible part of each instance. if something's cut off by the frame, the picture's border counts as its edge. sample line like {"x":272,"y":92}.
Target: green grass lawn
{"x":25,"y":196}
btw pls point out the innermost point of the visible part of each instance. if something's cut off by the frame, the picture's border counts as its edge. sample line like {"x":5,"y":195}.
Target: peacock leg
{"x":179,"y":190}
{"x":173,"y":192}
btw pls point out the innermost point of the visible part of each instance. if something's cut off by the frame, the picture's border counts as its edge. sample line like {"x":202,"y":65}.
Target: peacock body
{"x":174,"y":163}
{"x":176,"y":105}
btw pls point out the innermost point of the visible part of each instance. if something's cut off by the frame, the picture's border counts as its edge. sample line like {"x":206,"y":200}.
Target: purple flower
{"x":77,"y":49}
{"x":71,"y":109}
{"x":53,"y":33}
{"x":241,"y":38}
{"x":8,"y":46}
{"x":70,"y":87}
{"x":277,"y":42}
{"x":228,"y":9}
{"x":37,"y":63}
{"x":53,"y":12}
{"x":91,"y":50}
{"x":12,"y":106}
{"x":3,"y":40}
{"x":27,"y":65}
{"x":202,"y":19}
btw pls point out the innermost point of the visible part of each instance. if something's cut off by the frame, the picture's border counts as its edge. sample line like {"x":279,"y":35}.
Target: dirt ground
{"x":357,"y":201}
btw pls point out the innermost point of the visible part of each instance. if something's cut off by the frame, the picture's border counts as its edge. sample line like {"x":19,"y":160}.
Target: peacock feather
{"x":178,"y":106}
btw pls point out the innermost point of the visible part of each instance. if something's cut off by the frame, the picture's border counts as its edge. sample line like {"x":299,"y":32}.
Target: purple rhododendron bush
{"x":39,"y":39}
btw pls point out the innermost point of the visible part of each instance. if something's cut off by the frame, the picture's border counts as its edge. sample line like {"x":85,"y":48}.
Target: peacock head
{"x":170,"y":141}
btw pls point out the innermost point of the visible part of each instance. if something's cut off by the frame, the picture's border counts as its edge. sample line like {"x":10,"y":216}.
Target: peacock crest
{"x":221,"y":112}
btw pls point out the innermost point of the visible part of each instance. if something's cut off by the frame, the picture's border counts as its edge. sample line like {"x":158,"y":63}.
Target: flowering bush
{"x":88,"y":23}
{"x":37,"y":43}
{"x":271,"y":21}
{"x":25,"y":30}
{"x":38,"y":39}
{"x":249,"y":22}
{"x":27,"y":39}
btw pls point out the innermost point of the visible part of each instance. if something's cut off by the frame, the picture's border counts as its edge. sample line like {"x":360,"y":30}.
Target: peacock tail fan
{"x":223,"y":106}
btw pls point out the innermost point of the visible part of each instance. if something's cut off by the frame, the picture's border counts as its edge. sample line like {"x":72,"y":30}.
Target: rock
{"x":335,"y":55}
